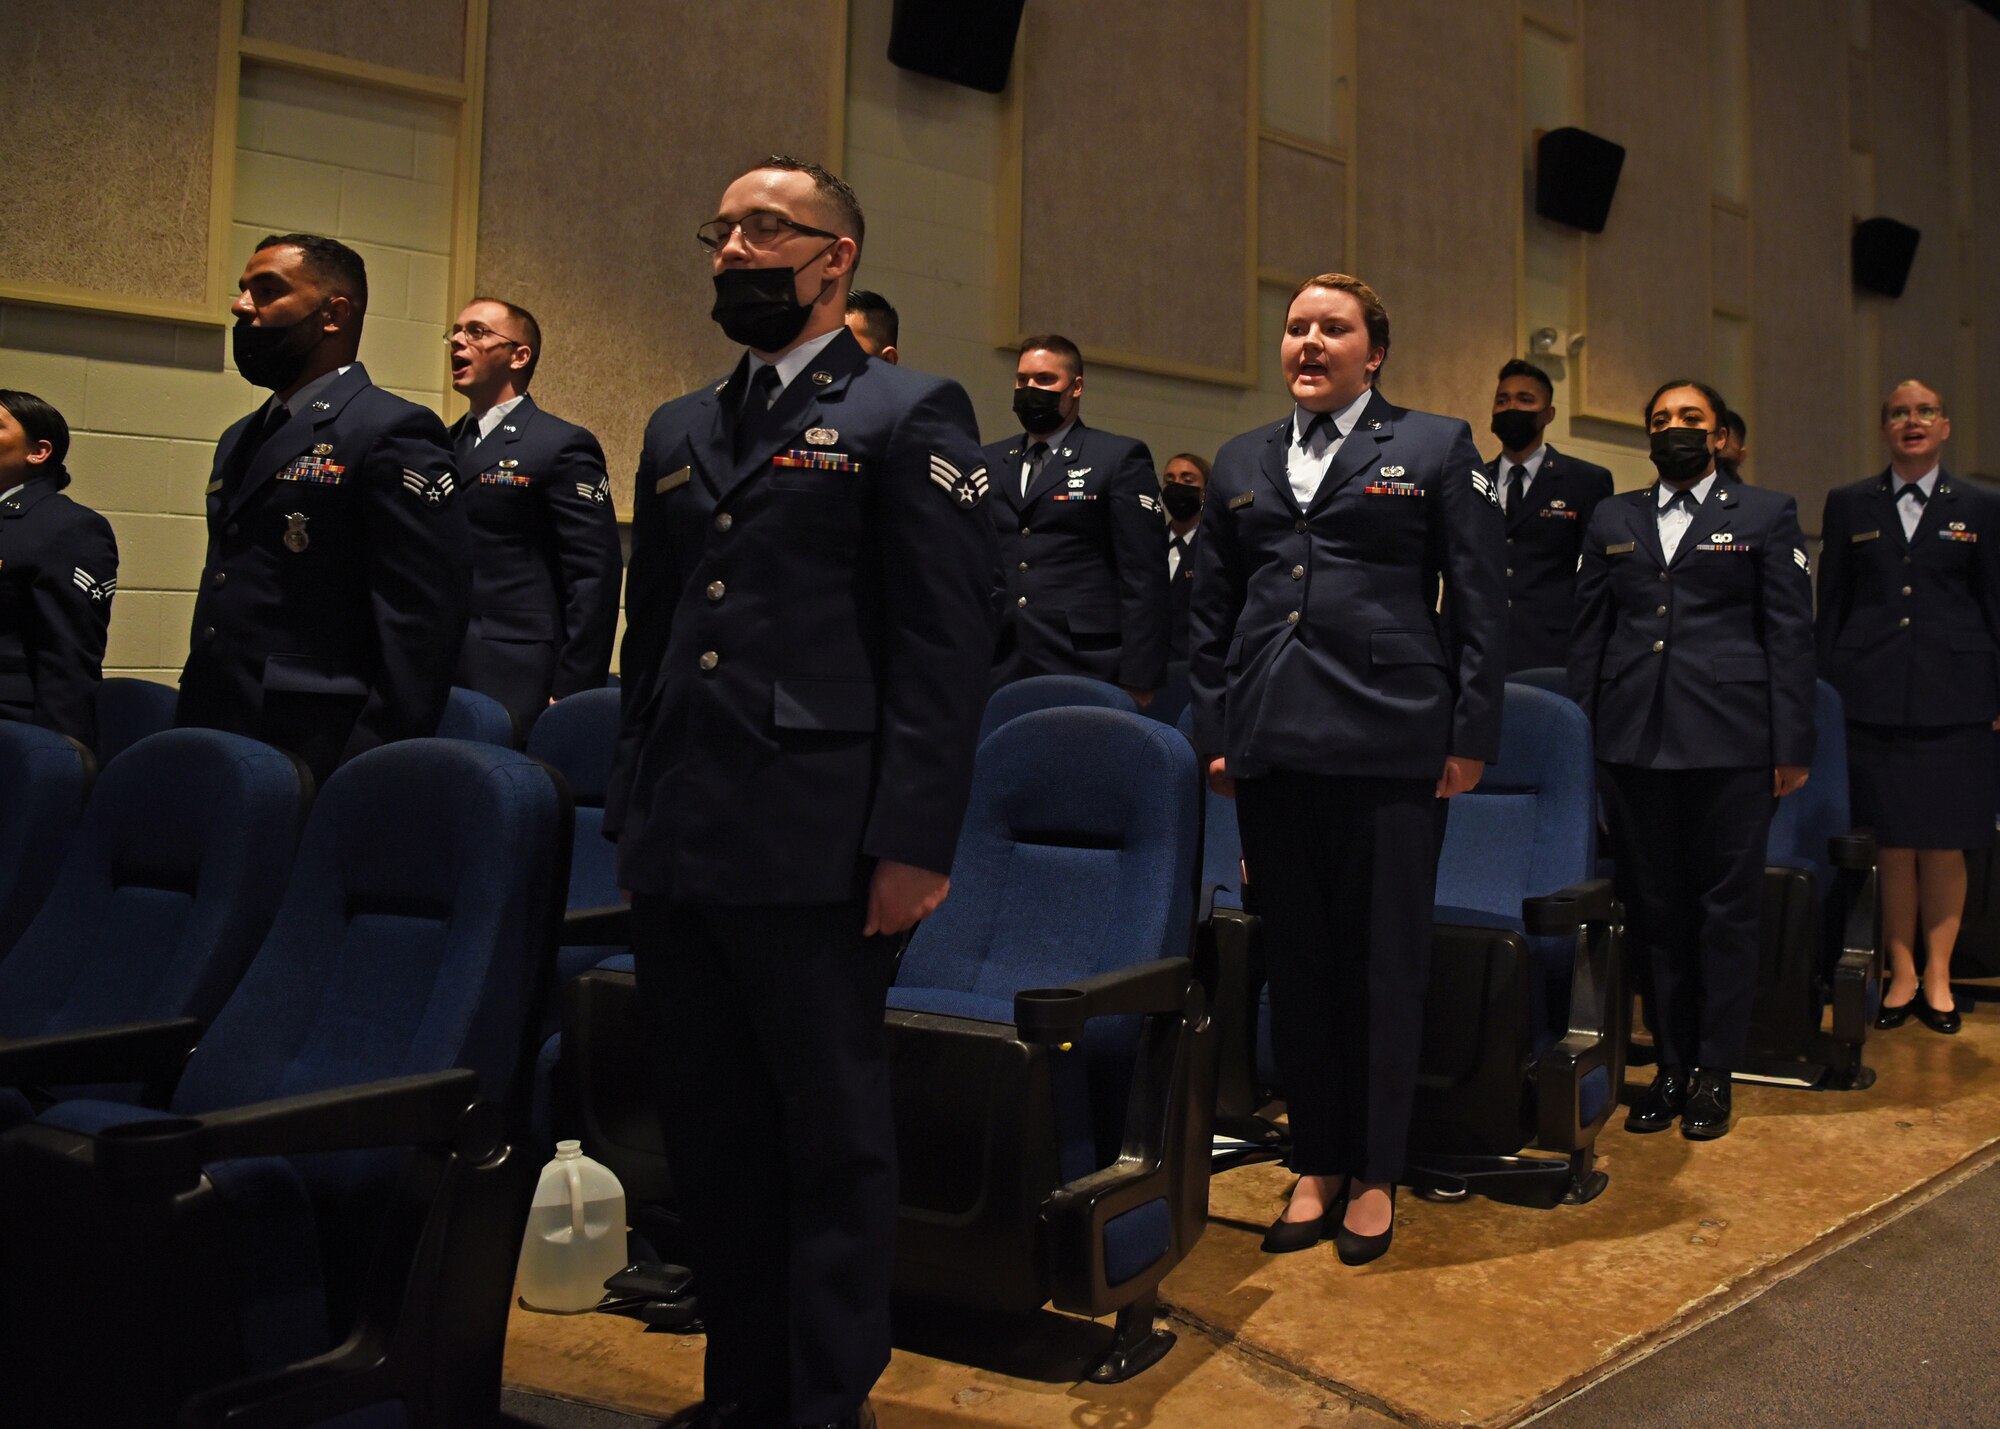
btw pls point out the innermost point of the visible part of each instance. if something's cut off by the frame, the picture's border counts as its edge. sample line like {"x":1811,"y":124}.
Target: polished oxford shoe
{"x":1707,"y":1114}
{"x":1947,"y":1021}
{"x":1356,"y":1249}
{"x":1660,"y":1103}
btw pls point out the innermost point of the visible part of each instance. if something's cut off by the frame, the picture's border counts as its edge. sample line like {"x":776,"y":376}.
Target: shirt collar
{"x":1055,"y":439}
{"x":1699,"y":491}
{"x":1532,"y":463}
{"x":296,"y":403}
{"x":1343,"y":420}
{"x":6,"y":496}
{"x":493,"y":416}
{"x":794,"y":362}
{"x":1928,"y":481}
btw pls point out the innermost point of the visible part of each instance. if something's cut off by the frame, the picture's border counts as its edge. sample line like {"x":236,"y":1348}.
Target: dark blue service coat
{"x":545,"y":562}
{"x":809,"y":631}
{"x":1316,"y":645}
{"x":1909,"y":629}
{"x":1544,"y":539}
{"x":1083,"y":560}
{"x":1705,"y":662}
{"x":333,"y":596}
{"x":58,"y":573}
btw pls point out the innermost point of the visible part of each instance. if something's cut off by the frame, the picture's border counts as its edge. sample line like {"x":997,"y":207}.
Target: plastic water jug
{"x":576,"y":1233}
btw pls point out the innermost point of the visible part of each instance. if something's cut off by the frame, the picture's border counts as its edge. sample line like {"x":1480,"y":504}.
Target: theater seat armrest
{"x":1853,"y":852}
{"x":428,"y":1109}
{"x":1055,"y":1015}
{"x":133,"y":1052}
{"x":1587,"y":902}
{"x":607,"y":926}
{"x":354,"y":1376}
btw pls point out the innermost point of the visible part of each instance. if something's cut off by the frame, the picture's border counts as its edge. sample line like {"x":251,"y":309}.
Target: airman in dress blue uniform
{"x":1083,"y":544}
{"x":58,"y":573}
{"x":333,"y":596}
{"x":1183,"y":485}
{"x":1693,"y":656}
{"x":1342,"y":710}
{"x":805,"y":665}
{"x":545,"y":564}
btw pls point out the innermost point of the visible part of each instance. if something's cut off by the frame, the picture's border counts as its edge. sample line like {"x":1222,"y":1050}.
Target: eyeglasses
{"x":760,"y":230}
{"x":478,"y":332}
{"x":1925,"y":416}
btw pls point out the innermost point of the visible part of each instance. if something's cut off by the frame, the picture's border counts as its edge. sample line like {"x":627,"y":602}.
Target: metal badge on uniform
{"x":822,"y":378}
{"x":508,"y":428}
{"x":1558,"y":505}
{"x":1373,"y":424}
{"x":1621,"y":548}
{"x":1067,"y":453}
{"x":509,"y":464}
{"x":1076,"y":474}
{"x":322,"y":406}
{"x":1393,"y":473}
{"x":323,"y":449}
{"x":671,"y":480}
{"x":821,"y":436}
{"x":1859,"y":536}
{"x":296,"y":539}
{"x":1242,"y":498}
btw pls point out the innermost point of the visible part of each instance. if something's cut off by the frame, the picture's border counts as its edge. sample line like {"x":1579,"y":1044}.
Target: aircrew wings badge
{"x":98,"y":590}
{"x":964,"y":487}
{"x":431,"y":490}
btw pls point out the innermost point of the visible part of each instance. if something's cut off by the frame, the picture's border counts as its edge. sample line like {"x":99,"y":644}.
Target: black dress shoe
{"x":1285,"y":1236}
{"x":1660,"y":1103}
{"x":1887,"y":1017}
{"x":1707,"y":1114}
{"x":1357,"y":1249}
{"x":1947,"y":1022}
{"x":862,"y":1418}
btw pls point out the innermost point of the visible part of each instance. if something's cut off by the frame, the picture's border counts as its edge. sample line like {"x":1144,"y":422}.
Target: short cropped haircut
{"x":528,"y":326}
{"x":1517,"y":367}
{"x":1199,"y":463}
{"x":41,"y":421}
{"x":1732,"y":420}
{"x":1373,"y":313}
{"x":878,"y":315}
{"x":1913,"y":382}
{"x":334,"y":265}
{"x":1058,"y":344}
{"x":833,"y":192}
{"x":1718,"y":406}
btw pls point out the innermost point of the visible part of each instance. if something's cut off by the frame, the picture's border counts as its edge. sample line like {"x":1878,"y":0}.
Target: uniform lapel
{"x":1937,"y":511}
{"x":1359,"y":450}
{"x":300,"y":432}
{"x":1271,"y":463}
{"x":712,"y":426}
{"x":1712,"y":516}
{"x":1496,"y":472}
{"x":1007,"y":480}
{"x":1056,"y":468}
{"x":488,"y":452}
{"x":1648,"y":517}
{"x":797,"y":408}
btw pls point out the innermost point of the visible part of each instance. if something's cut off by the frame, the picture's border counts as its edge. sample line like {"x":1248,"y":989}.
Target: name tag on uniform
{"x":1621,"y":548}
{"x":671,"y":480}
{"x":1859,"y":536}
{"x":1242,"y":499}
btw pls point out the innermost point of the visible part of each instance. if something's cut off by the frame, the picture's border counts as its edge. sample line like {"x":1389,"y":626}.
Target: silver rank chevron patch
{"x":1799,"y":560}
{"x":600,"y":492}
{"x":966,"y":488}
{"x":98,"y":590}
{"x":1151,"y":503}
{"x":1483,"y":484}
{"x":432,"y":490}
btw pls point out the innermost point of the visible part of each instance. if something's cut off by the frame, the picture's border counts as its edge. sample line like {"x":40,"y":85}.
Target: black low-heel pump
{"x":1285,"y":1236}
{"x":1358,"y":1249}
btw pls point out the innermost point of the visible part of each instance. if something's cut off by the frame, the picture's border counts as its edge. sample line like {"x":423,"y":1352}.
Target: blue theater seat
{"x":128,"y":710}
{"x":1170,"y":701}
{"x":167,"y":889}
{"x":324,"y":1221}
{"x":1050,"y":1060}
{"x":479,"y":718}
{"x":46,"y":776}
{"x":1819,"y":948}
{"x":1048,"y":692}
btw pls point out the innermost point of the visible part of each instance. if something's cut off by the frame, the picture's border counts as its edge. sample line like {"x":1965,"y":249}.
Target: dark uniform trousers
{"x":546,"y":563}
{"x":1324,"y":674}
{"x":1683,"y":664}
{"x":1348,"y":948}
{"x":810,"y":631}
{"x":58,"y":574}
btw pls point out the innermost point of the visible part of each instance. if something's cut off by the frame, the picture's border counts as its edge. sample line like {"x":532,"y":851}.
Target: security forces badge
{"x":967,"y":488}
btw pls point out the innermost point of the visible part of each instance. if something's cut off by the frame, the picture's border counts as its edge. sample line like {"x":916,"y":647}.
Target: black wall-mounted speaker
{"x":1576,"y":173}
{"x":968,"y":42}
{"x":1883,"y":252}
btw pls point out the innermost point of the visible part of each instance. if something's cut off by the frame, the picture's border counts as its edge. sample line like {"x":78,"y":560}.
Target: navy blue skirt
{"x":1923,"y":787}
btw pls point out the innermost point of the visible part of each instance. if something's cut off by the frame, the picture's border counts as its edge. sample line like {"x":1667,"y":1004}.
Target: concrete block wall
{"x":146,"y":401}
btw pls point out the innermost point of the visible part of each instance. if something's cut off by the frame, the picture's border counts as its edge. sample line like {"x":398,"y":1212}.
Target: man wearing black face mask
{"x":333,"y":597}
{"x":1081,"y":546}
{"x":804,"y":673}
{"x":1182,"y":486}
{"x":1548,"y":499}
{"x":1693,"y":656}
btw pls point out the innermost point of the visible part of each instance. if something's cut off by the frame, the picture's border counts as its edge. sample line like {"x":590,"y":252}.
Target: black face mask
{"x":1039,"y":409}
{"x":760,"y":307}
{"x":1182,"y":502}
{"x":1681,"y":454}
{"x":274,"y":357}
{"x":1517,"y":429}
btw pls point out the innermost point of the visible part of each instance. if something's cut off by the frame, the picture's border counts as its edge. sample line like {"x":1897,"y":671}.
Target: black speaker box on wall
{"x":1576,"y":173}
{"x":1883,"y":252}
{"x":969,"y":42}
